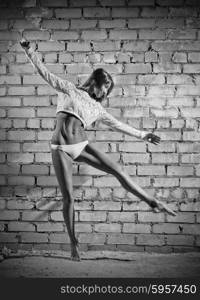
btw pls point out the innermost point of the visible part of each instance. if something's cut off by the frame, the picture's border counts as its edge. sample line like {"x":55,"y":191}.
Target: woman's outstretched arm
{"x":108,"y":119}
{"x":56,"y":82}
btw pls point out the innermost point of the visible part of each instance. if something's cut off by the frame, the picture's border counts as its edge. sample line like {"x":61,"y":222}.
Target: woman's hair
{"x":97,"y":78}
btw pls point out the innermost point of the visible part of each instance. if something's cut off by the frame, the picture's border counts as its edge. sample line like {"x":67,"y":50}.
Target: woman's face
{"x":102,"y":91}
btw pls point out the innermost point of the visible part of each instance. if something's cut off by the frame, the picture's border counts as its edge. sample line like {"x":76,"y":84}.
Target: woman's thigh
{"x":98,"y":159}
{"x":63,"y":170}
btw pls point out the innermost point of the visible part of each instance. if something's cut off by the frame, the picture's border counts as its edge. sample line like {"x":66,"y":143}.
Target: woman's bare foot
{"x":159,"y":206}
{"x":75,"y":253}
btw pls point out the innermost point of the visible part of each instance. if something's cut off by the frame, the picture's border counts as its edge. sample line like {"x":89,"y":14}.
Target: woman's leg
{"x":101,"y":161}
{"x":63,"y":170}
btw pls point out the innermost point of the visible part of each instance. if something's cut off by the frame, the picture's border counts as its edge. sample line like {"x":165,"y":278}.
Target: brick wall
{"x":151,"y":48}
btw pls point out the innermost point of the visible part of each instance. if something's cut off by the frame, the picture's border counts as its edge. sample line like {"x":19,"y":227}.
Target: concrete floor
{"x":101,"y":264}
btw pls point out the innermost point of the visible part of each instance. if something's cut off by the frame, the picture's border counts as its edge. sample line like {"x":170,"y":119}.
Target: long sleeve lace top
{"x":78,"y":102}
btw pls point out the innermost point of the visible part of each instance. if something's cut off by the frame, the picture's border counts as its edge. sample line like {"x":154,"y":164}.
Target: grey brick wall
{"x":151,"y":48}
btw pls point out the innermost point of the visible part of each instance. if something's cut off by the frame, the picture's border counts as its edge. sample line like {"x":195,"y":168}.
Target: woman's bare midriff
{"x":69,"y":130}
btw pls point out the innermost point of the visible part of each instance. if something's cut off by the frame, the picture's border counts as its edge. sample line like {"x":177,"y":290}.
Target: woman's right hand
{"x":25,"y":44}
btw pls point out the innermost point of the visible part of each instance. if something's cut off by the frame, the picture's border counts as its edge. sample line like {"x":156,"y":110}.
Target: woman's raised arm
{"x":56,"y":82}
{"x":108,"y":119}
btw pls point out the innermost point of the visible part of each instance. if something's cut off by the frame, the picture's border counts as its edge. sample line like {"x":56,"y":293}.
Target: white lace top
{"x":78,"y":102}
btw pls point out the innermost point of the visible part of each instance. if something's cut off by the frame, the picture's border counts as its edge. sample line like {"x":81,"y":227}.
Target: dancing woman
{"x":78,"y":108}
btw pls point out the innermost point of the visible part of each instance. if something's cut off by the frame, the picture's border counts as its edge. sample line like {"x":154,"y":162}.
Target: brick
{"x":183,"y":12}
{"x":182,"y":34}
{"x":57,"y":216}
{"x":182,"y":218}
{"x":79,"y":68}
{"x":191,"y":136}
{"x":21,"y":180}
{"x":193,"y":57}
{"x":21,"y":135}
{"x":121,"y":217}
{"x":10,"y":80}
{"x":106,"y":181}
{"x":91,"y":238}
{"x":79,"y":205}
{"x":65,"y":35}
{"x":190,"y":206}
{"x":15,"y":91}
{"x":135,"y":158}
{"x":49,"y":227}
{"x":189,"y":182}
{"x":146,"y":217}
{"x":46,"y":90}
{"x":96,"y":12}
{"x":166,"y":228}
{"x":36,"y":101}
{"x":21,"y":113}
{"x":190,"y":112}
{"x":191,"y":229}
{"x":188,"y":147}
{"x":179,"y":171}
{"x":77,"y":3}
{"x":137,"y":68}
{"x":19,"y":204}
{"x":35,"y":169}
{"x":9,"y":35}
{"x":61,"y":238}
{"x":94,"y":35}
{"x":190,"y":158}
{"x":20,"y":158}
{"x":115,"y":23}
{"x":165,"y":113}
{"x":136,"y":228}
{"x":33,"y":123}
{"x":106,"y":46}
{"x":179,"y":57}
{"x":170,"y":23}
{"x":2,"y":68}
{"x":141,"y":23}
{"x":9,"y":147}
{"x":166,"y":68}
{"x":50,"y":3}
{"x":21,"y":69}
{"x":34,"y":237}
{"x":166,"y":182}
{"x":69,"y":13}
{"x":151,"y":170}
{"x":6,"y":169}
{"x":118,"y":238}
{"x":2,"y":113}
{"x":191,"y":68}
{"x":83,"y":24}
{"x":132,"y":147}
{"x":20,"y":226}
{"x":103,"y":227}
{"x":34,"y":216}
{"x":8,"y":237}
{"x":169,"y":135}
{"x":36,"y":35}
{"x":123,"y":34}
{"x":105,"y":205}
{"x":6,"y":215}
{"x":80,"y":227}
{"x":82,"y":46}
{"x":2,"y":91}
{"x":179,"y":79}
{"x":149,"y":239}
{"x":92,"y":216}
{"x":180,"y":240}
{"x":44,"y":135}
{"x":54,"y":46}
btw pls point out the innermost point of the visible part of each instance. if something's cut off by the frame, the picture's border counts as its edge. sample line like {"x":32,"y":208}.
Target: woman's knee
{"x":68,"y":200}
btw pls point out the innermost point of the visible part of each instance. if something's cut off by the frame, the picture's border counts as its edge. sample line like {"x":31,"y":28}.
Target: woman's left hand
{"x":152,"y":138}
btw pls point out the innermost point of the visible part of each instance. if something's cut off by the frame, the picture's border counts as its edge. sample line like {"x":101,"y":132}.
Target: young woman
{"x":78,"y":108}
